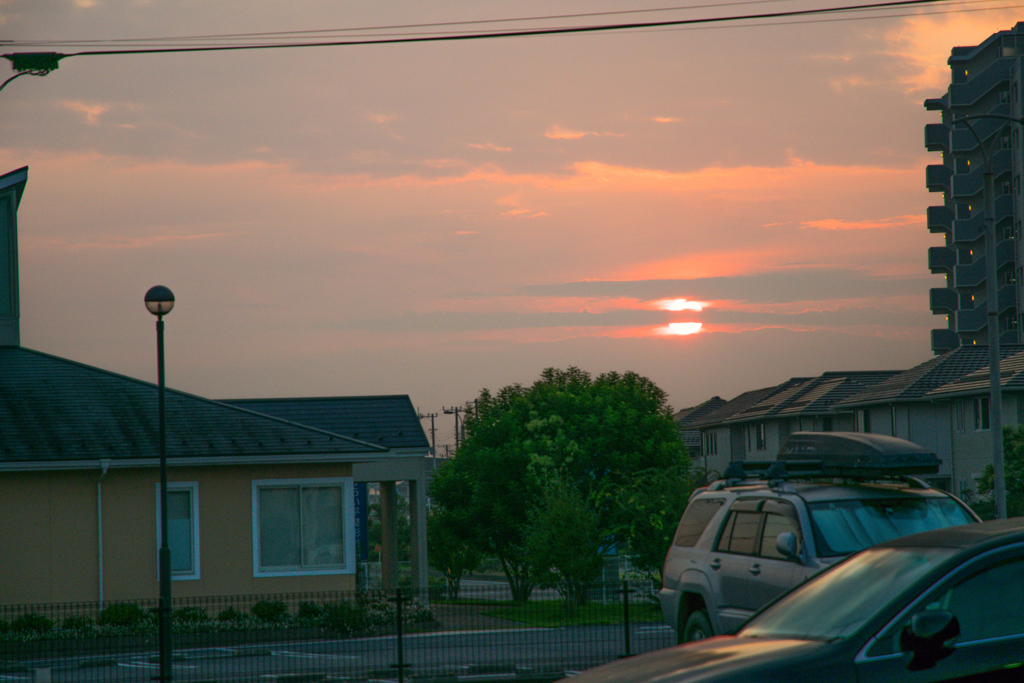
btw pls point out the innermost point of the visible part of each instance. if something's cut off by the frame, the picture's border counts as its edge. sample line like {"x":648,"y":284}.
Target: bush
{"x":346,"y":619}
{"x":32,"y":622}
{"x":230,"y":614}
{"x":310,"y":610}
{"x":76,"y":624}
{"x":122,"y":614}
{"x":191,"y":615}
{"x":270,"y":610}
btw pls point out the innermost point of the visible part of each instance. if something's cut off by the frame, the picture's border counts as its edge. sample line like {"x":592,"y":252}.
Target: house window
{"x":960,"y":416}
{"x":981,"y":414}
{"x":709,"y":443}
{"x":864,"y":421}
{"x":182,"y":528}
{"x":760,"y":435}
{"x":303,"y":527}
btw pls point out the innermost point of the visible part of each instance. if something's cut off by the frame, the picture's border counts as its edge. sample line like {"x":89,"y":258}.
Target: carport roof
{"x":389,"y":421}
{"x":56,"y":412}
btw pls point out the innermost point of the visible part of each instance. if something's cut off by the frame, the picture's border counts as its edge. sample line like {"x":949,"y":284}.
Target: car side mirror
{"x":786,"y":544}
{"x":925,"y":637}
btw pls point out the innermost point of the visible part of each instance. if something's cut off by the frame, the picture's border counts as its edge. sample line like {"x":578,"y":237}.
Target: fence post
{"x":625,"y":590}
{"x":399,"y":599}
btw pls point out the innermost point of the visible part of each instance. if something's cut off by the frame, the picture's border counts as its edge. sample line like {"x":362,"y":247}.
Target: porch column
{"x":389,"y":536}
{"x":418,"y":532}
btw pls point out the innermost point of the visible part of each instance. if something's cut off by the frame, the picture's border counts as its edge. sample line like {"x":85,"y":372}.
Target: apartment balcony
{"x":966,"y":185}
{"x":1007,"y":298}
{"x":937,"y":177}
{"x":939,"y":219}
{"x":962,"y":140}
{"x":944,"y":340}
{"x":972,"y":319}
{"x":936,"y":137}
{"x":943,"y":300}
{"x":1006,"y":252}
{"x":995,"y":75}
{"x":970,"y":229}
{"x":941,"y":260}
{"x":967,"y":275}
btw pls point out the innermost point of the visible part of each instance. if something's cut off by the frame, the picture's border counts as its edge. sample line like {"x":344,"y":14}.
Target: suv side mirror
{"x":786,"y":544}
{"x":925,"y":637}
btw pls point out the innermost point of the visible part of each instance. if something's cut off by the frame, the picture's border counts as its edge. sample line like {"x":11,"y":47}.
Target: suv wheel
{"x":698,"y":627}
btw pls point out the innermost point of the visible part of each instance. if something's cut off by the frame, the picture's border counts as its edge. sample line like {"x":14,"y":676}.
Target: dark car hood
{"x":714,"y":659}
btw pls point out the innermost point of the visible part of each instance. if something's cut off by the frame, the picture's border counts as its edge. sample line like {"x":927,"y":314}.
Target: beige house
{"x":257,"y":504}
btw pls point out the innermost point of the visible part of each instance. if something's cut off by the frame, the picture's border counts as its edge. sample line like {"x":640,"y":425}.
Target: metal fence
{"x":364,"y":636}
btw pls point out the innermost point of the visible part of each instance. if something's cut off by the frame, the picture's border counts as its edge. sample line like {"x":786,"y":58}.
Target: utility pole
{"x":433,"y":434}
{"x":456,"y":411}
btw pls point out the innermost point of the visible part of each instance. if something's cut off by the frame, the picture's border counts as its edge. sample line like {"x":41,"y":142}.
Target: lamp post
{"x":995,"y":380}
{"x":159,"y":302}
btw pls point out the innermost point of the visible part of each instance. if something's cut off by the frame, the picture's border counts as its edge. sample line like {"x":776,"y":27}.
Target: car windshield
{"x":835,"y":603}
{"x":842,"y":527}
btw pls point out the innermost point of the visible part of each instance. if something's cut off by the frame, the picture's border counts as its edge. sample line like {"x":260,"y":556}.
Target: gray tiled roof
{"x":820,"y":394}
{"x":732,"y":409}
{"x":687,"y":417}
{"x":54,"y":410}
{"x":389,"y":421}
{"x":917,"y":382}
{"x":1011,"y":376}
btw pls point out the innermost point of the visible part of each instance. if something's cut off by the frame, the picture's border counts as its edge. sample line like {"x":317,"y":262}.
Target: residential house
{"x":257,"y":504}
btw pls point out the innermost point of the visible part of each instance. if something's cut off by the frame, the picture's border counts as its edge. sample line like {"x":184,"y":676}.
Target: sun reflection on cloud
{"x":684,"y":328}
{"x":681,"y":305}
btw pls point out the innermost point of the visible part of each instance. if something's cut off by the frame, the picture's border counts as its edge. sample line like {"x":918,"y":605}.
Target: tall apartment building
{"x":986,"y":79}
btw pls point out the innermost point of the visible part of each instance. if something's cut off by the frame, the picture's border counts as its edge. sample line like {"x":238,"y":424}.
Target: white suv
{"x":765,"y":527}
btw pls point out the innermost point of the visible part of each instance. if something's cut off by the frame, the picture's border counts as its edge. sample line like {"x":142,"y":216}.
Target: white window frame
{"x":193,"y":488}
{"x":347,"y":525}
{"x":982,"y":414}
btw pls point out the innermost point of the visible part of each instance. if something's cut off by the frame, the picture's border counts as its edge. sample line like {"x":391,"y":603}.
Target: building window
{"x":864,"y":421}
{"x":826,"y":423}
{"x":182,"y":528}
{"x":760,"y":435}
{"x":303,"y":527}
{"x":709,"y":443}
{"x":960,"y":416}
{"x":981,"y":414}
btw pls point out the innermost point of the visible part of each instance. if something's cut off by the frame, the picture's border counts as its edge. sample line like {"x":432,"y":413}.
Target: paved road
{"x":470,"y":656}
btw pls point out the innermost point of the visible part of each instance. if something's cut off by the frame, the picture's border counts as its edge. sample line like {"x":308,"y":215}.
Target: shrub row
{"x":364,"y":614}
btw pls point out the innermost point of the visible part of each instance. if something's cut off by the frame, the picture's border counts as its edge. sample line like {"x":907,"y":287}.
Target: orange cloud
{"x":559,"y":133}
{"x":881,"y":224}
{"x":923,"y":43}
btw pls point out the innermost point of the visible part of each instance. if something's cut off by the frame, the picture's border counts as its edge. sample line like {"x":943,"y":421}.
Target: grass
{"x":551,"y":613}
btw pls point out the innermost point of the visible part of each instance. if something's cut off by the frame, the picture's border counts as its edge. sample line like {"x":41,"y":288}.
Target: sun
{"x":684,"y":328}
{"x":681,"y":305}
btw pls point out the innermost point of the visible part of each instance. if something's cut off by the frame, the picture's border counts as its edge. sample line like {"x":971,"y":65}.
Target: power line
{"x":454,"y":36}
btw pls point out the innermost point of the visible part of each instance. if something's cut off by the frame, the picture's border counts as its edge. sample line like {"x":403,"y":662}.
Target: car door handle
{"x":755,"y":569}
{"x":715,"y":563}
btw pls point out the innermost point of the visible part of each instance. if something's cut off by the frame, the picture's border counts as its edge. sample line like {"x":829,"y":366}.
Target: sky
{"x":718,"y":207}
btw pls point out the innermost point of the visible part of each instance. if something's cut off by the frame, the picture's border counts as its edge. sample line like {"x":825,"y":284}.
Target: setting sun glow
{"x":684,"y":328}
{"x":681,"y":305}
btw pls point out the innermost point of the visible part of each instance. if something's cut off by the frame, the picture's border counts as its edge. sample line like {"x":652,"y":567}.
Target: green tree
{"x":1013,"y":476}
{"x":450,"y":551}
{"x":599,"y":436}
{"x":564,"y":543}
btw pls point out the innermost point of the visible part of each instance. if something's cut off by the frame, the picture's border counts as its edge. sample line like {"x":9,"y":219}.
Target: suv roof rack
{"x":853,"y":455}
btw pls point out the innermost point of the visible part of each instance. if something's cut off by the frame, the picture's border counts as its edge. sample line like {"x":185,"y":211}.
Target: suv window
{"x":754,"y":525}
{"x":842,"y":527}
{"x":696,"y":518}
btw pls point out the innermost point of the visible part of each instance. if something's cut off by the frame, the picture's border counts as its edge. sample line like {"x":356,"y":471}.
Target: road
{"x":448,"y":657}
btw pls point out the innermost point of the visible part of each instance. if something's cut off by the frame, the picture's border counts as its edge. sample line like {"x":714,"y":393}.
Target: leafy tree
{"x":450,"y":552}
{"x":649,"y":511}
{"x":598,"y":436}
{"x":1013,"y":476}
{"x":564,"y":543}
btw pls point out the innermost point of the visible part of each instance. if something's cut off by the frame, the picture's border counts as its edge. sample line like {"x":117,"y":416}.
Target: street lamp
{"x":32,"y":64}
{"x":994,"y":377}
{"x":159,"y":302}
